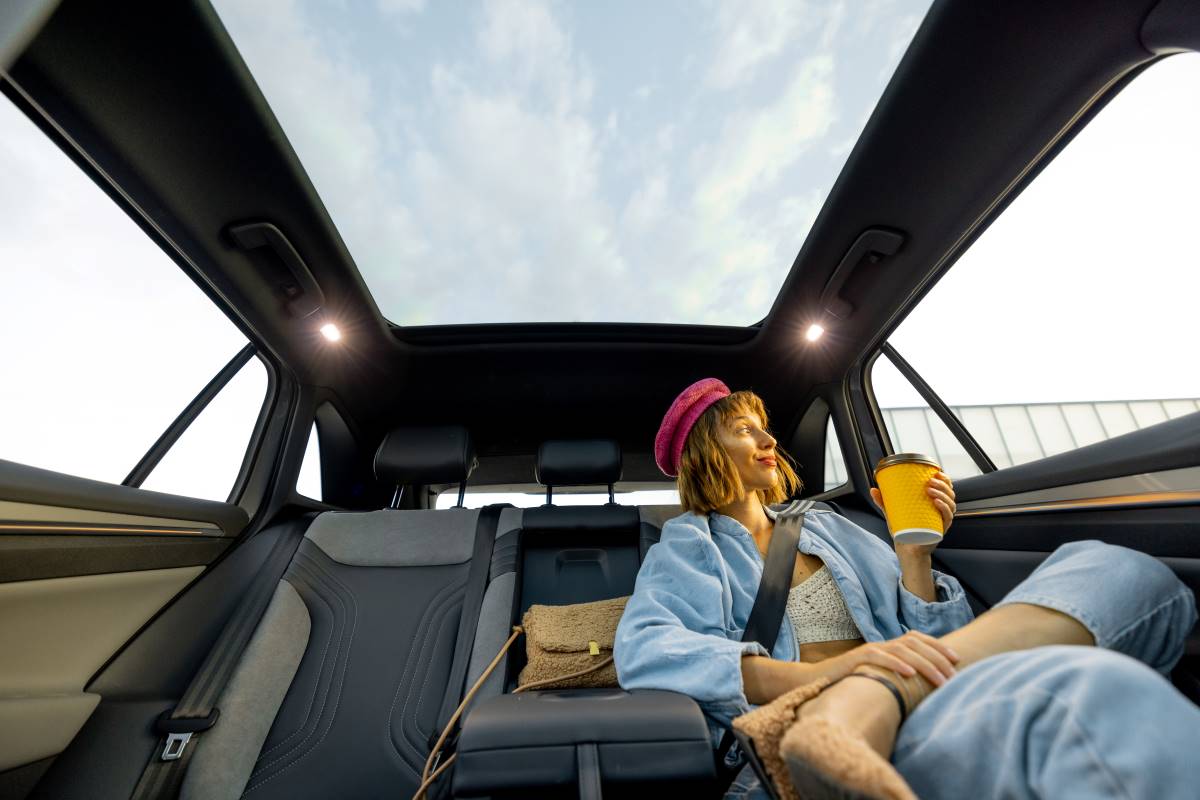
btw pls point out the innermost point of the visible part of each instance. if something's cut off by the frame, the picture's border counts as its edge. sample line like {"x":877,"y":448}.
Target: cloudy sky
{"x":540,"y":161}
{"x":552,"y":161}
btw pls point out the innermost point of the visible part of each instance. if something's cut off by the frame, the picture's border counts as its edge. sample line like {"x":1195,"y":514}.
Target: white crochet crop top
{"x":818,"y":611}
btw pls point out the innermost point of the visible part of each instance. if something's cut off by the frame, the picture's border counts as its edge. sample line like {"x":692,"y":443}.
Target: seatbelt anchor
{"x":179,"y":730}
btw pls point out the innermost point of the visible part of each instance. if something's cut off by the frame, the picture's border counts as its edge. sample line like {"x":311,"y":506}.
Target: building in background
{"x":1012,"y":434}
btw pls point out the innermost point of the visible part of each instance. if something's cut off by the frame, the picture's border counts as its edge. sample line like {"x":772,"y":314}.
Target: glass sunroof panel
{"x":553,"y":162}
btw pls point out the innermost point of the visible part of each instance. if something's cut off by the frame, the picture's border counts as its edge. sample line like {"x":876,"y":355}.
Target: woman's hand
{"x":941,"y":490}
{"x":906,"y":655}
{"x":764,"y":678}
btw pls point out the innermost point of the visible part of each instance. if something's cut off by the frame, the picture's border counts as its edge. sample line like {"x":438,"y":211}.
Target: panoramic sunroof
{"x":592,"y":162}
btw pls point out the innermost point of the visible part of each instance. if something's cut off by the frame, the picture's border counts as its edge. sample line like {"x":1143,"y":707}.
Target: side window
{"x":835,"y":462}
{"x":308,"y":483}
{"x":1070,"y":320}
{"x":208,"y":456}
{"x":913,"y":426}
{"x":106,"y":340}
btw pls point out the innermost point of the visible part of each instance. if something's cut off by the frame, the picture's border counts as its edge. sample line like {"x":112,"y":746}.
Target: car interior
{"x":279,"y":645}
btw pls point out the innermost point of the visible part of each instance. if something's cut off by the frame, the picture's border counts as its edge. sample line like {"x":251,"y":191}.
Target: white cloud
{"x":648,"y":204}
{"x":401,"y":7}
{"x":523,"y":38}
{"x":507,"y":179}
{"x":752,"y":34}
{"x":757,"y":146}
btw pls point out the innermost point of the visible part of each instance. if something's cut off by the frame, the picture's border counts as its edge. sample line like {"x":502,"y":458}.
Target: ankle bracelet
{"x":891,"y":688}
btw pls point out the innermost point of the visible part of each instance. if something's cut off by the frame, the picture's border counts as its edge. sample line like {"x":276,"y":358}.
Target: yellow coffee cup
{"x":912,"y":517}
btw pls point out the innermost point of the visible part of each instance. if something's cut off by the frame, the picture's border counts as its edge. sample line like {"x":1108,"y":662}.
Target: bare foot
{"x":861,"y":706}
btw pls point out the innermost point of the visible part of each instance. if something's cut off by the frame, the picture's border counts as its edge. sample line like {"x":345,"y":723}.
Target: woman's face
{"x":752,"y":450}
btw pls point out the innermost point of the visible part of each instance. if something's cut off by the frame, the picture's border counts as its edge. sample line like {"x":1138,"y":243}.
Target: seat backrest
{"x":570,"y":554}
{"x":653,"y":518}
{"x":340,"y":690}
{"x":576,"y":554}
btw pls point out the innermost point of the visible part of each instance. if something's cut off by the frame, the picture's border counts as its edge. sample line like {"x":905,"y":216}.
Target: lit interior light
{"x":331,"y":332}
{"x":814,"y":333}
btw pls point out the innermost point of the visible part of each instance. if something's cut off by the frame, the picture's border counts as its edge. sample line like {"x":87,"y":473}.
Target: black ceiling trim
{"x":516,"y":333}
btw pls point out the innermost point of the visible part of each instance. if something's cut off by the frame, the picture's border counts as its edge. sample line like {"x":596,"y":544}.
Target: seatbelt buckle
{"x":175,"y":744}
{"x":179,"y":730}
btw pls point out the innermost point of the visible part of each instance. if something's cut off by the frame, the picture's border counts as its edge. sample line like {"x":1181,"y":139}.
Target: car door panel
{"x":54,"y":635}
{"x":35,"y":728}
{"x":84,"y":566}
{"x":31,"y":486}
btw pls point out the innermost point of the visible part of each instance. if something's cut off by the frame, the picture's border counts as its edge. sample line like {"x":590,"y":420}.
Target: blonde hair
{"x":708,"y":478}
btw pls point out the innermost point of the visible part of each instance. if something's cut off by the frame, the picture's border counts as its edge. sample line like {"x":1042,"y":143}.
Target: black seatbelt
{"x":766,"y":615}
{"x":195,"y":713}
{"x":477,"y":581}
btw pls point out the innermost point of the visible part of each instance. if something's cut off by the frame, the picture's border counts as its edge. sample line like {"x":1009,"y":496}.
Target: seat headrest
{"x":425,"y":455}
{"x":592,"y":462}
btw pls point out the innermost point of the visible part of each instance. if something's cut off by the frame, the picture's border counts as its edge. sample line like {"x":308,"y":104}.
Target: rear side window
{"x":1071,"y":320}
{"x":308,"y":483}
{"x":106,"y":341}
{"x":835,"y":462}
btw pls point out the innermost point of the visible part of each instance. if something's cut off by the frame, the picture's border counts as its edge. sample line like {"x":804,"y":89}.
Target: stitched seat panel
{"x":357,"y":717}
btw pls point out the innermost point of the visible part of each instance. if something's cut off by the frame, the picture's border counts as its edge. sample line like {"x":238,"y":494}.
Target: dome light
{"x":814,"y":333}
{"x":331,"y":332}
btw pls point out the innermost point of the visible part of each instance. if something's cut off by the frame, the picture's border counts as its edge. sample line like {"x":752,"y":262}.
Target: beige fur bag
{"x":567,"y":647}
{"x":570,"y":647}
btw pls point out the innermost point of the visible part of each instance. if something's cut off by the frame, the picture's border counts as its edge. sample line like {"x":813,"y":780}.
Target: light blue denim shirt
{"x":682,"y":628}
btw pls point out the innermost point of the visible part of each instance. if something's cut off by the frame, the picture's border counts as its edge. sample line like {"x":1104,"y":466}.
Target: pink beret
{"x":681,"y":416}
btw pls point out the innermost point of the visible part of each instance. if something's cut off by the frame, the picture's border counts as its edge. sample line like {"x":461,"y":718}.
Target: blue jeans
{"x":1066,"y":722}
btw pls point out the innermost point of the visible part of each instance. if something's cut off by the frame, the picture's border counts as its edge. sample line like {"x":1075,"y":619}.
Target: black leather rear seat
{"x":559,"y":743}
{"x":575,"y":554}
{"x":339,"y":691}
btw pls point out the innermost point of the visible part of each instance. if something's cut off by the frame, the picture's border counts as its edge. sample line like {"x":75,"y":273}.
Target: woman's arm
{"x":916,"y":572}
{"x":673,"y":634}
{"x":765,"y":678}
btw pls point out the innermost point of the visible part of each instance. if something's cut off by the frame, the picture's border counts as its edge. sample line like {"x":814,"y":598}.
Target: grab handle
{"x":304,"y":296}
{"x":872,"y":245}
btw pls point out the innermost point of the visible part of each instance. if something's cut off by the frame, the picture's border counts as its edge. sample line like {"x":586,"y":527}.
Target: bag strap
{"x":766,"y":615}
{"x":194,"y":714}
{"x":434,"y":766}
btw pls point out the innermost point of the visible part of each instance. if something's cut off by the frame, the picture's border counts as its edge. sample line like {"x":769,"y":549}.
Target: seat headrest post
{"x":612,"y":498}
{"x":397,"y":497}
{"x":549,"y":495}
{"x":462,"y":494}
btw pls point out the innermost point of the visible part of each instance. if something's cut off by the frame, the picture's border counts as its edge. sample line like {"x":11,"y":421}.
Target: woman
{"x":1051,"y":722}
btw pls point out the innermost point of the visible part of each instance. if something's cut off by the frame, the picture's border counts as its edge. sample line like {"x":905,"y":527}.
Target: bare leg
{"x":869,"y":708}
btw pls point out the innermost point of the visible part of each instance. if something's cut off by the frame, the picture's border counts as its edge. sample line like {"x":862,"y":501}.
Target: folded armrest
{"x":543,"y":742}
